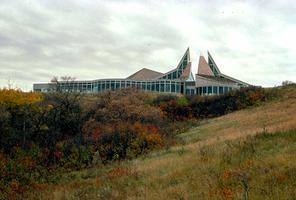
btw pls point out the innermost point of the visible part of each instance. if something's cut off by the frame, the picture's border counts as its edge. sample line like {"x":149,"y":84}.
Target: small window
{"x":220,"y":90}
{"x":112,"y":85}
{"x":215,"y":90}
{"x":178,"y":89}
{"x":162,"y":87}
{"x":157,"y":87}
{"x":204,"y":90}
{"x":173,"y":88}
{"x":210,"y":90}
{"x":174,"y":74}
{"x":167,"y":87}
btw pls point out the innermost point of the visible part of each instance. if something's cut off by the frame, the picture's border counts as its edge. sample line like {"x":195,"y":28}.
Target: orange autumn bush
{"x":125,"y":140}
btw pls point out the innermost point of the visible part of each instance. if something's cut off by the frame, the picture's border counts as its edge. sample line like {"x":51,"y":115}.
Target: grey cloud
{"x":98,"y":39}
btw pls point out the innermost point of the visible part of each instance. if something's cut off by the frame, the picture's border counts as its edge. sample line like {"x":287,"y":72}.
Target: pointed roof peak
{"x":213,"y":65}
{"x":203,"y":67}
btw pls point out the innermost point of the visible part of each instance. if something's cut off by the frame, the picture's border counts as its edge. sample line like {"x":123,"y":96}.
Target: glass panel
{"x":122,"y":84}
{"x":167,"y":88}
{"x":128,"y":84}
{"x":157,"y":86}
{"x":178,"y":88}
{"x":173,"y":88}
{"x":162,"y":87}
{"x":215,"y":90}
{"x":99,"y":87}
{"x":174,"y":74}
{"x":204,"y":90}
{"x":220,"y":90}
{"x":209,"y":89}
{"x":143,"y":86}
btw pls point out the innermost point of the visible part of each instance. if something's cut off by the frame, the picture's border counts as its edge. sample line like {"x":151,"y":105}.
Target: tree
{"x":64,"y":84}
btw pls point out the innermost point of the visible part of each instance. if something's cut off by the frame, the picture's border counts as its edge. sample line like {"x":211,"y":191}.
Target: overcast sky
{"x":250,"y":40}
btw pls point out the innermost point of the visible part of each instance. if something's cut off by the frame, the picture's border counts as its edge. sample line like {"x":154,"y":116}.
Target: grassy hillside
{"x":248,"y":154}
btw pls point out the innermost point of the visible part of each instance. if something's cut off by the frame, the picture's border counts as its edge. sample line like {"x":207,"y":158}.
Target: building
{"x":209,"y":80}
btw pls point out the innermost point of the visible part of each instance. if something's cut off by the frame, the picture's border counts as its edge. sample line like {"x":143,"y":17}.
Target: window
{"x":107,"y":85}
{"x":178,"y":88}
{"x":112,"y":85}
{"x":143,"y":85}
{"x":174,"y":74}
{"x":162,"y":87}
{"x":99,"y":87}
{"x":122,"y":84}
{"x":117,"y":85}
{"x":215,"y":90}
{"x":210,"y":90}
{"x":167,"y":87}
{"x":204,"y":90}
{"x":220,"y":90}
{"x":173,"y":88}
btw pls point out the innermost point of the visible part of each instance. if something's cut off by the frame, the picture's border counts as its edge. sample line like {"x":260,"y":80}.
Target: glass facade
{"x":165,"y":86}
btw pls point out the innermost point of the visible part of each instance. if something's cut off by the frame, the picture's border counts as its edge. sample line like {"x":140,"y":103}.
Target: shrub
{"x":126,"y":140}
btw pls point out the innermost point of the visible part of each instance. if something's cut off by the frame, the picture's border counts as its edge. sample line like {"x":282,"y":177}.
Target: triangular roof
{"x":186,"y":72}
{"x":185,"y":60}
{"x":203,"y":67}
{"x":144,"y":74}
{"x":213,"y":65}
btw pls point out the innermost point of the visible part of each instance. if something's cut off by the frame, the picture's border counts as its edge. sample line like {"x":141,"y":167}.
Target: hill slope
{"x":246,"y":154}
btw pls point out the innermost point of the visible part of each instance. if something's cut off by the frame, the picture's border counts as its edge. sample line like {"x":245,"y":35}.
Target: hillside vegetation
{"x":247,"y":154}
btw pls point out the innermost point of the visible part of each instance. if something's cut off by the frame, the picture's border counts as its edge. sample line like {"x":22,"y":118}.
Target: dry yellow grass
{"x":271,"y":117}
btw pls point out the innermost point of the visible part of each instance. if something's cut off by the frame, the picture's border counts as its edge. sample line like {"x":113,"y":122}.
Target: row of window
{"x":101,"y":86}
{"x":208,"y":90}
